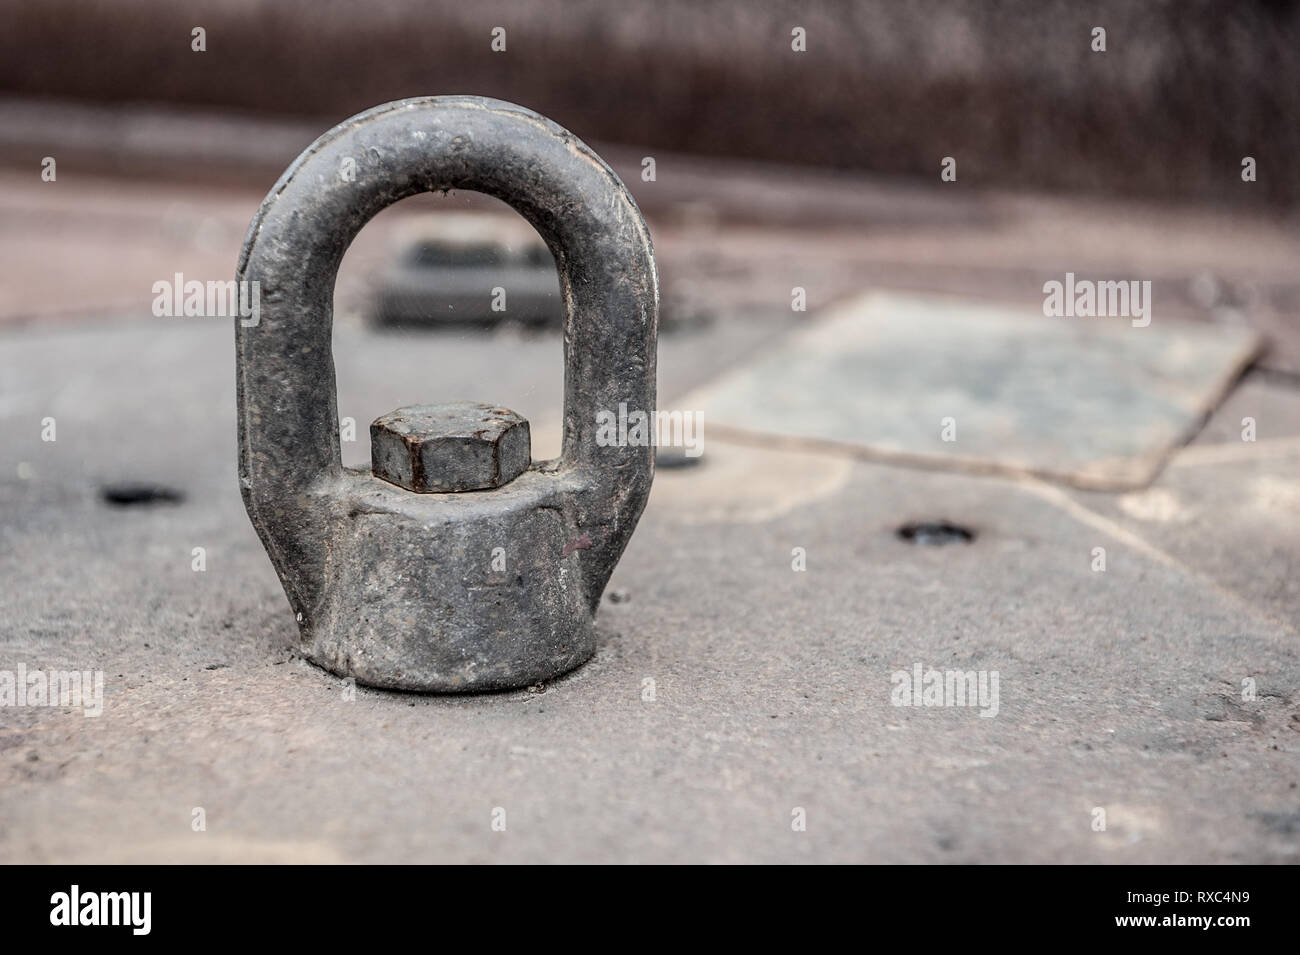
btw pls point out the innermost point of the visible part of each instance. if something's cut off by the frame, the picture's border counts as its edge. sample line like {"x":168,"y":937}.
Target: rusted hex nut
{"x":457,"y":446}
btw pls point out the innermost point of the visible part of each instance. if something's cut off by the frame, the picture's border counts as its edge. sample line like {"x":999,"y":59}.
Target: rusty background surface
{"x":1183,"y":91}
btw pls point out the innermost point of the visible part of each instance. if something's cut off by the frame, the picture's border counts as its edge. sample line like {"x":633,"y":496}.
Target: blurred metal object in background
{"x":444,"y":280}
{"x":478,"y":270}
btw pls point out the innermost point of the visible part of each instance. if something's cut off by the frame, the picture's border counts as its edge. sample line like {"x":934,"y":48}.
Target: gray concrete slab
{"x":1097,"y":402}
{"x":1119,"y":691}
{"x":1227,"y":508}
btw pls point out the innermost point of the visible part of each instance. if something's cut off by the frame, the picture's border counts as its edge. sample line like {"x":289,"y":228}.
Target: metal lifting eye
{"x":453,"y":564}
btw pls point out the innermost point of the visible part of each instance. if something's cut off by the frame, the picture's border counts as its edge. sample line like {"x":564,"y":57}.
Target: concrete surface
{"x":1120,"y":690}
{"x":936,"y":381}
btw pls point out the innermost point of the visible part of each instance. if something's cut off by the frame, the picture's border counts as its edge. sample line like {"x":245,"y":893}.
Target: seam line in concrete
{"x":1059,"y":498}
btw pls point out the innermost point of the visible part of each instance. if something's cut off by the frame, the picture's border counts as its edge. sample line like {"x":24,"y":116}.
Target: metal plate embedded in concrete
{"x":1093,"y":402}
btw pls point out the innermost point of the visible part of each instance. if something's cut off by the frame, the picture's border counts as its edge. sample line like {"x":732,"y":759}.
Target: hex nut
{"x":455,"y":446}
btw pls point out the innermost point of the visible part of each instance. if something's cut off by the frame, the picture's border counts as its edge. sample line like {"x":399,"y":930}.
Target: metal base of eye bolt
{"x":457,"y":565}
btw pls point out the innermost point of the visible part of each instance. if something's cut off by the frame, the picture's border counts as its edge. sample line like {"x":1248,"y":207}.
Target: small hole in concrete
{"x":935,"y":533}
{"x":140,"y":495}
{"x":669,"y":457}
